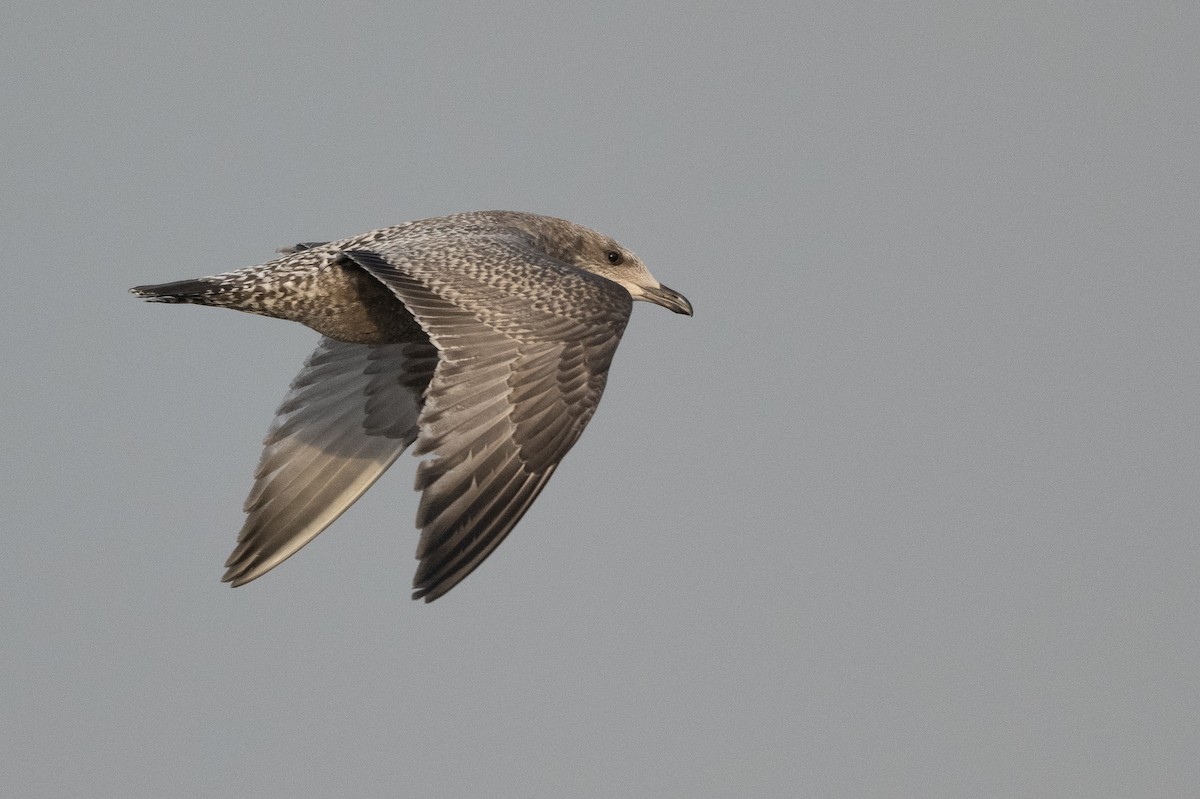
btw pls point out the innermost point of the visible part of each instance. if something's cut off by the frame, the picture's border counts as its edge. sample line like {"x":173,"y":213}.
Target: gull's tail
{"x":201,"y":291}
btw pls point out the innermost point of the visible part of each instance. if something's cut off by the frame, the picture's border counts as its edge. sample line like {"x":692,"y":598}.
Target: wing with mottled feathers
{"x":518,"y":378}
{"x":348,"y":415}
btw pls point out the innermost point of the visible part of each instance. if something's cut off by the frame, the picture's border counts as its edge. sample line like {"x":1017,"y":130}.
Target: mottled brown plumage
{"x":484,"y":337}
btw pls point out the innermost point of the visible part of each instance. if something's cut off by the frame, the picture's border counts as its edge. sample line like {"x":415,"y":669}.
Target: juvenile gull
{"x":484,"y":337}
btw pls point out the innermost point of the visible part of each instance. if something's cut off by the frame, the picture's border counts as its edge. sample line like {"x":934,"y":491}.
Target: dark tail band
{"x":180,"y":291}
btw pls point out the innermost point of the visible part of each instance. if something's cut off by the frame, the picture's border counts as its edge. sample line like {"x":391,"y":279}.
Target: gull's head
{"x":604,"y":256}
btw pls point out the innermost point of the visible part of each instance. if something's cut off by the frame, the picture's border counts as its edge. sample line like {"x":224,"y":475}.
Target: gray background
{"x":909,"y":508}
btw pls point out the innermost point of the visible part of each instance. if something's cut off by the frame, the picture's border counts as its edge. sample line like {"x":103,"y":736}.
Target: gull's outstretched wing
{"x":348,"y":415}
{"x":522,"y":363}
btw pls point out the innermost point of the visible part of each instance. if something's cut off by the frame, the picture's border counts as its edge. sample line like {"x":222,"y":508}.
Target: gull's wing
{"x":524,"y":344}
{"x":348,"y":415}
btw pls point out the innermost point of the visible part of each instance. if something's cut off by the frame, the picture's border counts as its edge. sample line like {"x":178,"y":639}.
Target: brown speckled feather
{"x":514,"y":387}
{"x":484,"y":337}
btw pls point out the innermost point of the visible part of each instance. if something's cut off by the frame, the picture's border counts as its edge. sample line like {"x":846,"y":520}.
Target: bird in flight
{"x":483,"y":337}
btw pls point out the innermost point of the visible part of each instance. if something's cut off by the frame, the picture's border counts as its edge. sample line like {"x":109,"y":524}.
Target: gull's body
{"x":484,"y":337}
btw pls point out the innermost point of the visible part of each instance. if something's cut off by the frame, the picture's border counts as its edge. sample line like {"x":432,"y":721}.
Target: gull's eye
{"x":615,"y":257}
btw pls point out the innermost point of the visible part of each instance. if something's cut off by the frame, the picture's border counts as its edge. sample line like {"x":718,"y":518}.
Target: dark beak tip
{"x":671,"y":299}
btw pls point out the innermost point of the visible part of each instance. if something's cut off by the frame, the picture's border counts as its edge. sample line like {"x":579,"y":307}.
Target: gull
{"x":483,"y":337}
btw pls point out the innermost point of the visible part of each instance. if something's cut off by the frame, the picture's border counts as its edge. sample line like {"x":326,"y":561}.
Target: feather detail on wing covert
{"x":513,"y":389}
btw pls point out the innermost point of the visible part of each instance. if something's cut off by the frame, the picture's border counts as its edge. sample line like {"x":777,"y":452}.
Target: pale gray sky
{"x":908,"y":509}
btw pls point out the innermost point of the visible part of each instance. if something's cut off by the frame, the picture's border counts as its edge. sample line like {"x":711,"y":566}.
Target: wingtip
{"x":230,"y":576}
{"x":428,"y":587}
{"x":238,"y":571}
{"x":428,"y":594}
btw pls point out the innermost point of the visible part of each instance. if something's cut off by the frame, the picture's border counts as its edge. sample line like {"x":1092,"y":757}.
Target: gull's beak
{"x":667,"y":298}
